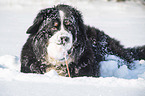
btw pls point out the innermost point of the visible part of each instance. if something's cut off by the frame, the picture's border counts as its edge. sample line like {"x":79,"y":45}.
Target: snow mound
{"x":15,"y":83}
{"x":10,"y":64}
{"x":116,"y":67}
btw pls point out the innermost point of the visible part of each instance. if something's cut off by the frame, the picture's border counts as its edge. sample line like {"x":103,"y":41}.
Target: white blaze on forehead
{"x":61,"y":13}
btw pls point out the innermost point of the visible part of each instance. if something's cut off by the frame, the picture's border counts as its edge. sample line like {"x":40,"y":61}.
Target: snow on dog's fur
{"x":60,"y":31}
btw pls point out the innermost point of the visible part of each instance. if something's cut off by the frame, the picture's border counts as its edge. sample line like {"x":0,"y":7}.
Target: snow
{"x":110,"y":69}
{"x":124,"y":21}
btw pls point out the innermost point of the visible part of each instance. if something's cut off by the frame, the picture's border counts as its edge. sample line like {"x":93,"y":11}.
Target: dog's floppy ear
{"x":42,"y":15}
{"x":34,"y":28}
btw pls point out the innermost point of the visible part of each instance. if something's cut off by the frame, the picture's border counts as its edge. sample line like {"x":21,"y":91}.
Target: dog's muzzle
{"x":63,"y":40}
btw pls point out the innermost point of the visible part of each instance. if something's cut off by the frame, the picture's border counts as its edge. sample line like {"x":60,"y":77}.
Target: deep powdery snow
{"x":124,"y":21}
{"x":14,"y":83}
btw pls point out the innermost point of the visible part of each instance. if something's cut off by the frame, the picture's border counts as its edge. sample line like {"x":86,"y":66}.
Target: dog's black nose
{"x":64,"y":39}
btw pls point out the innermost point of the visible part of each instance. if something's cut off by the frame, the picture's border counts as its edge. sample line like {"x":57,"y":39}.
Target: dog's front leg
{"x":38,"y":68}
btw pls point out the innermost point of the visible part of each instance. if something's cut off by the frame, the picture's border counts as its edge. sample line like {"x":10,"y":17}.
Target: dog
{"x":59,"y":34}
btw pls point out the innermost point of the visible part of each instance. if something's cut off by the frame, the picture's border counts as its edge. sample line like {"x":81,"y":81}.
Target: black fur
{"x":90,"y":45}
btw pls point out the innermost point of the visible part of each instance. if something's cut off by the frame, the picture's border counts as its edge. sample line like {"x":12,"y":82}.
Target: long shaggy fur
{"x":90,"y":45}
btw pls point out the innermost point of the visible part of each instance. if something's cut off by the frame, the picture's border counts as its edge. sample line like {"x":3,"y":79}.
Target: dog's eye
{"x":53,"y":28}
{"x":67,"y":22}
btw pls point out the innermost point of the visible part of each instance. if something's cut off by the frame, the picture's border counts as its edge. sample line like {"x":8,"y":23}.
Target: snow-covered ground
{"x":123,"y":21}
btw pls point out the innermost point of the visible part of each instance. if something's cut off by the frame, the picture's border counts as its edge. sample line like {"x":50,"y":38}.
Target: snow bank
{"x":116,"y":67}
{"x":15,"y":83}
{"x":10,"y":64}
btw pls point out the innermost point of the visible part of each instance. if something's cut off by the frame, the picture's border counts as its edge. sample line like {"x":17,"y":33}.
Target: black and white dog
{"x":59,"y":33}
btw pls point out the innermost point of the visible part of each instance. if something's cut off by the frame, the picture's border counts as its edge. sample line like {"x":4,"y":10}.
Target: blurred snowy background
{"x":123,"y":20}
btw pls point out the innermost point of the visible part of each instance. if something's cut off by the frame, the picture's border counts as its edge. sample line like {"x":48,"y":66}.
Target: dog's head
{"x":56,"y":31}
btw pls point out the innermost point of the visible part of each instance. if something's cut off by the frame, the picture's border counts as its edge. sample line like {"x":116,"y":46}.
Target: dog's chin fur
{"x":59,"y":33}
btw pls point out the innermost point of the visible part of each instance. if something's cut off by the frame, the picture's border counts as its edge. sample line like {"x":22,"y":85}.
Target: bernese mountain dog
{"x":59,"y":33}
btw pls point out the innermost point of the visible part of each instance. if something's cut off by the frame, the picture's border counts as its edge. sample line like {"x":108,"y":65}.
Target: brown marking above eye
{"x":55,"y":24}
